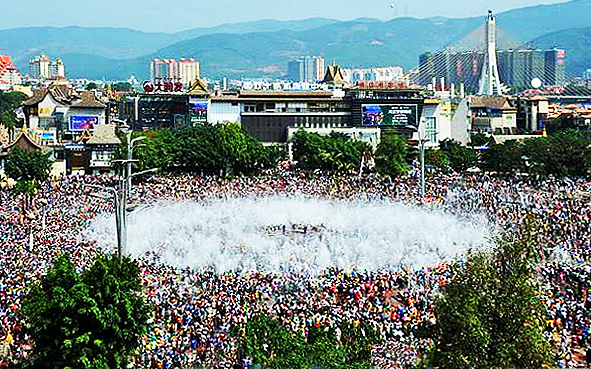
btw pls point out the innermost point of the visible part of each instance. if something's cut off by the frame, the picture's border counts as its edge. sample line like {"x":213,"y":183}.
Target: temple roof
{"x":89,"y":100}
{"x":334,"y":75}
{"x":23,"y":137}
{"x":104,"y":134}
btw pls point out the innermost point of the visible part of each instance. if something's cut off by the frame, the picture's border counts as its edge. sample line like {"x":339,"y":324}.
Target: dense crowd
{"x":196,"y":311}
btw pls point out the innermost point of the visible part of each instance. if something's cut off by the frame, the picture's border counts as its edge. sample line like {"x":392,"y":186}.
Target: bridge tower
{"x":490,"y":84}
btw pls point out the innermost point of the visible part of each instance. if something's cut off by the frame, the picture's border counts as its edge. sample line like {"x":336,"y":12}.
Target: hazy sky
{"x":176,"y":15}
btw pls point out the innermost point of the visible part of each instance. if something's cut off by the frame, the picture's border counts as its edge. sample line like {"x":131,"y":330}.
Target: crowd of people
{"x":197,"y":312}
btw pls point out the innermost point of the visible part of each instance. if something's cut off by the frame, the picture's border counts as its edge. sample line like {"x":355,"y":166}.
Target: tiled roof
{"x":88,"y":100}
{"x":104,"y":134}
{"x":497,"y":102}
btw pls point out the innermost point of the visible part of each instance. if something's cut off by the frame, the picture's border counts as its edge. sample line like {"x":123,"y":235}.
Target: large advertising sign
{"x":198,"y":110}
{"x":81,"y":123}
{"x":389,"y":115}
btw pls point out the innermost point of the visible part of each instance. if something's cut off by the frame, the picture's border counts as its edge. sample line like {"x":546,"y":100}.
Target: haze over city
{"x":178,"y":15}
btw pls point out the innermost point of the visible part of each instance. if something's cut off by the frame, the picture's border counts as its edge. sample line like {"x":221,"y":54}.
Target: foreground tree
{"x":336,"y":151}
{"x":460,"y":157}
{"x":346,"y":346}
{"x":490,"y":315}
{"x":26,"y":165}
{"x":391,"y":155}
{"x":89,"y":319}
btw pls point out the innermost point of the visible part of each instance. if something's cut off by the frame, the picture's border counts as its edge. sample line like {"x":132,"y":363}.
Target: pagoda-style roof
{"x":104,"y":134}
{"x":60,"y":93}
{"x":89,"y":100}
{"x":334,"y":75}
{"x":24,"y":141}
{"x":198,"y":87}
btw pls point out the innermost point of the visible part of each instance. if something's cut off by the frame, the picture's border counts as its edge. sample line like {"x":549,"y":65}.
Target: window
{"x":431,"y":129}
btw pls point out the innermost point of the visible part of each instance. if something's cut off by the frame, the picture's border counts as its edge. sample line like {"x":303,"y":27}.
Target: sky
{"x":178,"y":15}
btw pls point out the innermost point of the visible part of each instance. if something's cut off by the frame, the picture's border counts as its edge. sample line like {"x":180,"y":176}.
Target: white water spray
{"x":246,"y":234}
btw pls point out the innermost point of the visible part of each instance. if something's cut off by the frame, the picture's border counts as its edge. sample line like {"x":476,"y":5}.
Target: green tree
{"x":391,"y":155}
{"x":270,"y":344}
{"x":91,"y":86}
{"x":27,"y":165}
{"x":569,"y":154}
{"x":9,"y":103}
{"x":507,"y":157}
{"x":437,"y":158}
{"x":336,"y":151}
{"x":490,"y":315}
{"x":460,"y":157}
{"x":89,"y":319}
{"x":122,"y":86}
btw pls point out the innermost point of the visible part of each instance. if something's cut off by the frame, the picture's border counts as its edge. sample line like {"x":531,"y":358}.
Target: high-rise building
{"x":517,"y":68}
{"x":57,"y":69}
{"x":39,"y":67}
{"x":306,"y":69}
{"x":184,"y":70}
{"x":555,"y":67}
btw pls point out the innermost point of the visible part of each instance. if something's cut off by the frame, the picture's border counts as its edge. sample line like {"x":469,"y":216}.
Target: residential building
{"x":353,"y":75}
{"x":184,"y":70}
{"x":306,"y":69}
{"x":41,"y":67}
{"x":101,"y":149}
{"x":555,"y":67}
{"x":493,"y":114}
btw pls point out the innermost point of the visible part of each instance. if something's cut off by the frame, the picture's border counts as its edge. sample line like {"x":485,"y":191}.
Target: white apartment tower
{"x":43,"y":68}
{"x":39,"y":67}
{"x":184,"y":70}
{"x":490,"y":84}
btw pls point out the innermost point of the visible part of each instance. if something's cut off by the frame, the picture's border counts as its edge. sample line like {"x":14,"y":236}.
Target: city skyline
{"x":179,"y":15}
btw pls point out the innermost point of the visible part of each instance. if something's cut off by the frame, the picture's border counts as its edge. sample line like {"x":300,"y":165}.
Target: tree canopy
{"x":89,"y":319}
{"x":27,"y":165}
{"x":391,"y":155}
{"x":336,"y":151}
{"x":225,"y":148}
{"x":490,"y":315}
{"x":344,"y":346}
{"x":563,"y":154}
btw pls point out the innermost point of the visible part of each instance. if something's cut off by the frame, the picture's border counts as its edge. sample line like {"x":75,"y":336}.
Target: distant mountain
{"x":114,"y":43}
{"x":576,"y":41}
{"x":265,"y":25}
{"x":262,"y":48}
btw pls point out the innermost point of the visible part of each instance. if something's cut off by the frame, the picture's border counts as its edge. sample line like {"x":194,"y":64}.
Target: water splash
{"x":234,"y":233}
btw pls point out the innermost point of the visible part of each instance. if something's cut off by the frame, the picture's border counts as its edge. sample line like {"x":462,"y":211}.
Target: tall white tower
{"x":490,"y":84}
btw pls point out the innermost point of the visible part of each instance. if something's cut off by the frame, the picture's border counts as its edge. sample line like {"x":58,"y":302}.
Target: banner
{"x":81,"y":123}
{"x":389,"y":115}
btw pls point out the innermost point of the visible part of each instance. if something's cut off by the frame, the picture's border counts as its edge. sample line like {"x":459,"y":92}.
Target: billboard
{"x":198,"y":110}
{"x":81,"y":123}
{"x":389,"y":114}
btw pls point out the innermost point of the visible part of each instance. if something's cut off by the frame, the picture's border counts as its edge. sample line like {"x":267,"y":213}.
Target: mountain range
{"x":263,"y":48}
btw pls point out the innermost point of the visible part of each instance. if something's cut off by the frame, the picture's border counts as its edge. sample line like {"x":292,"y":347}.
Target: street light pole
{"x":422,"y":152}
{"x":422,"y":141}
